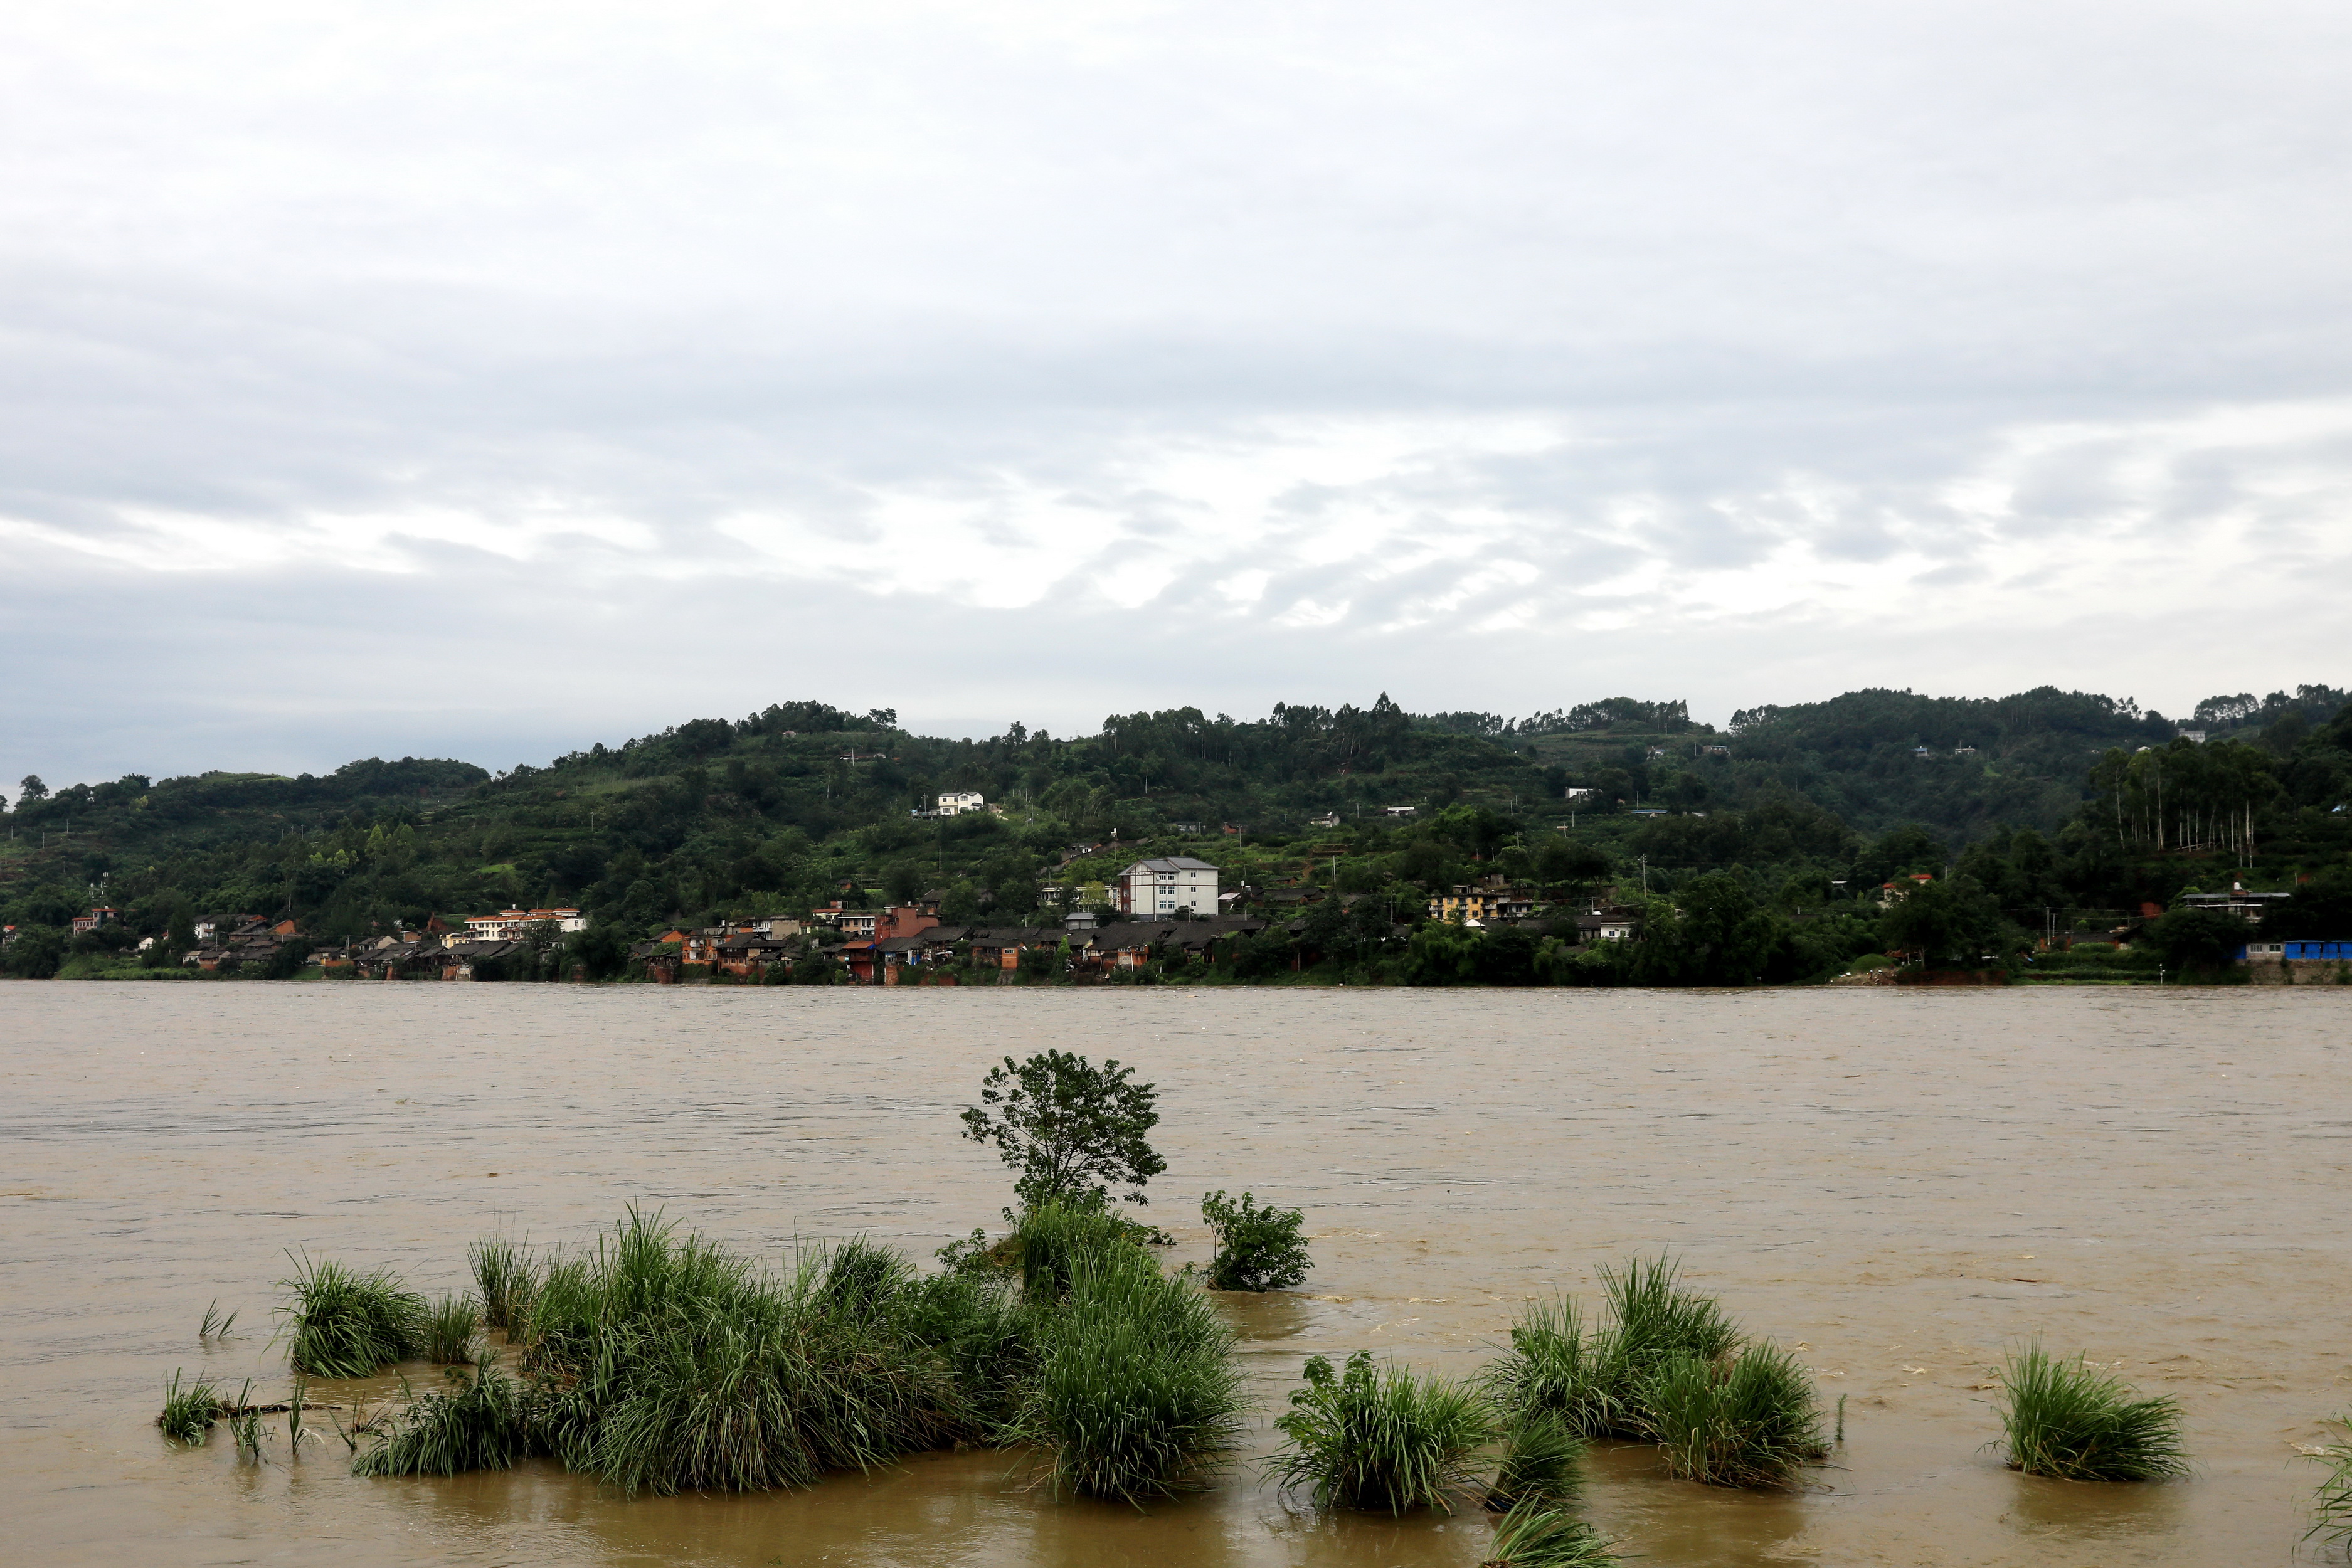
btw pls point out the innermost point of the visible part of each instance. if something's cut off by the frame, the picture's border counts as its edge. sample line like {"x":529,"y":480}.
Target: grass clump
{"x":1538,"y":1537}
{"x":215,"y":1326}
{"x":503,"y":1279}
{"x":1135,"y":1390}
{"x":1656,"y":1322}
{"x":245,"y":1423}
{"x":670,"y":1363}
{"x":1538,"y":1464}
{"x":448,"y":1338}
{"x":1557,"y":1370}
{"x":2331,"y":1506}
{"x":190,"y":1410}
{"x":345,"y":1324}
{"x":1596,"y":1382}
{"x":2066,"y":1420}
{"x":1746,"y":1419}
{"x":484,"y":1421}
{"x":1257,"y":1248}
{"x":1384,"y":1440}
{"x":1051,"y":1237}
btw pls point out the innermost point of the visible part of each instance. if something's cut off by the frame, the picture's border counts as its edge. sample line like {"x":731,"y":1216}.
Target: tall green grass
{"x":1558,"y":1369}
{"x":503,"y":1279}
{"x":1596,"y":1382}
{"x":1655,"y":1322}
{"x":1539,"y":1537}
{"x":1539,"y":1463}
{"x":1383,"y":1439}
{"x":484,"y":1421}
{"x":189,"y":1410}
{"x":449,"y":1331}
{"x":1052,"y":1238}
{"x":245,"y":1423}
{"x":1134,"y":1391}
{"x":658,"y":1361}
{"x":1745,"y":1419}
{"x":345,"y":1324}
{"x":2331,"y":1505}
{"x":2067,"y":1420}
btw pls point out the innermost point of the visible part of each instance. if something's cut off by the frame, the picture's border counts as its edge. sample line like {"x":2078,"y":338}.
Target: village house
{"x":856,"y":923}
{"x":955,"y":803}
{"x":1614,"y":925}
{"x":2237,"y":901}
{"x":96,"y":918}
{"x":1159,"y":889}
{"x":1482,"y":902}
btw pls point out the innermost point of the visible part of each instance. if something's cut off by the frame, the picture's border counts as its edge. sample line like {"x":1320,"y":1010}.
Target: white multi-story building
{"x":957,"y":803}
{"x":511,"y":924}
{"x":1155,"y":889}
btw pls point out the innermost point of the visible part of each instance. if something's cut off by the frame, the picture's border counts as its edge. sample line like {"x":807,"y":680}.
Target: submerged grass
{"x":1656,"y":1322}
{"x":2067,"y":1420}
{"x":190,"y":1410}
{"x":215,"y":1326}
{"x":1595,"y":1381}
{"x":662,"y":1362}
{"x":2331,"y":1506}
{"x":1747,"y":1419}
{"x":1383,"y":1439}
{"x":484,"y":1421}
{"x":658,"y":1361}
{"x":1052,"y":1238}
{"x":1135,"y":1390}
{"x":1556,"y":1369}
{"x":244,"y":1423}
{"x":1537,"y":1537}
{"x":449,"y":1331}
{"x":503,"y":1278}
{"x":346,"y":1325}
{"x":1538,"y":1464}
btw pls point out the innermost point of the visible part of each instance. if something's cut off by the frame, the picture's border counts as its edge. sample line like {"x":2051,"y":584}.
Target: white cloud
{"x":1494,"y":353}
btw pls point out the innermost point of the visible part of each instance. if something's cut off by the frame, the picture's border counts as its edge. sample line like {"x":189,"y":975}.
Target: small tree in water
{"x":1257,"y":1248}
{"x":1073,"y":1130}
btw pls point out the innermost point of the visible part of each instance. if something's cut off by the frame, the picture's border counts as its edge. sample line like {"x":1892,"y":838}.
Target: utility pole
{"x":1645,"y":876}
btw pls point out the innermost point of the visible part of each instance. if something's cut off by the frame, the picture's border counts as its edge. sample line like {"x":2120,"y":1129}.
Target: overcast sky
{"x":485,"y":379}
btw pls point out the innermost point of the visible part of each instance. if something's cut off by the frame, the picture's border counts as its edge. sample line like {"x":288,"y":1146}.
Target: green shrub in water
{"x":1747,"y":1419}
{"x":2067,"y":1420}
{"x":1135,"y":1390}
{"x":1538,"y":1537}
{"x":1257,"y":1248}
{"x":344,"y":1324}
{"x":189,"y":1412}
{"x":484,"y":1421}
{"x":1385,"y":1440}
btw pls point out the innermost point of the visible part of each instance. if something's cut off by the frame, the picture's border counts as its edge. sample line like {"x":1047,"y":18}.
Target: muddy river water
{"x":1900,"y":1184}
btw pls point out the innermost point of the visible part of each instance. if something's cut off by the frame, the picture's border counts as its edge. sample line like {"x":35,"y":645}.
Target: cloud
{"x":493,"y":380}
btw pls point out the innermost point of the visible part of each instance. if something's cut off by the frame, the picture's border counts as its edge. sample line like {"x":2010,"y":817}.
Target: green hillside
{"x":2052,"y":800}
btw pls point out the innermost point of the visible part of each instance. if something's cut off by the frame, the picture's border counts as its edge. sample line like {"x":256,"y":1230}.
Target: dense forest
{"x":1764,"y":845}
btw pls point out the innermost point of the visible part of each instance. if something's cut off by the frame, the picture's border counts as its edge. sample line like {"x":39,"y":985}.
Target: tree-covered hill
{"x":2051,"y":797}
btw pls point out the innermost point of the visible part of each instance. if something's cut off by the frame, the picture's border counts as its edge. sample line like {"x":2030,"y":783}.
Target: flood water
{"x":1902,"y":1184}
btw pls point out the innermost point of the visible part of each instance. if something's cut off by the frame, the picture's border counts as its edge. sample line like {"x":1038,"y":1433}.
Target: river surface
{"x":1901,"y":1184}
